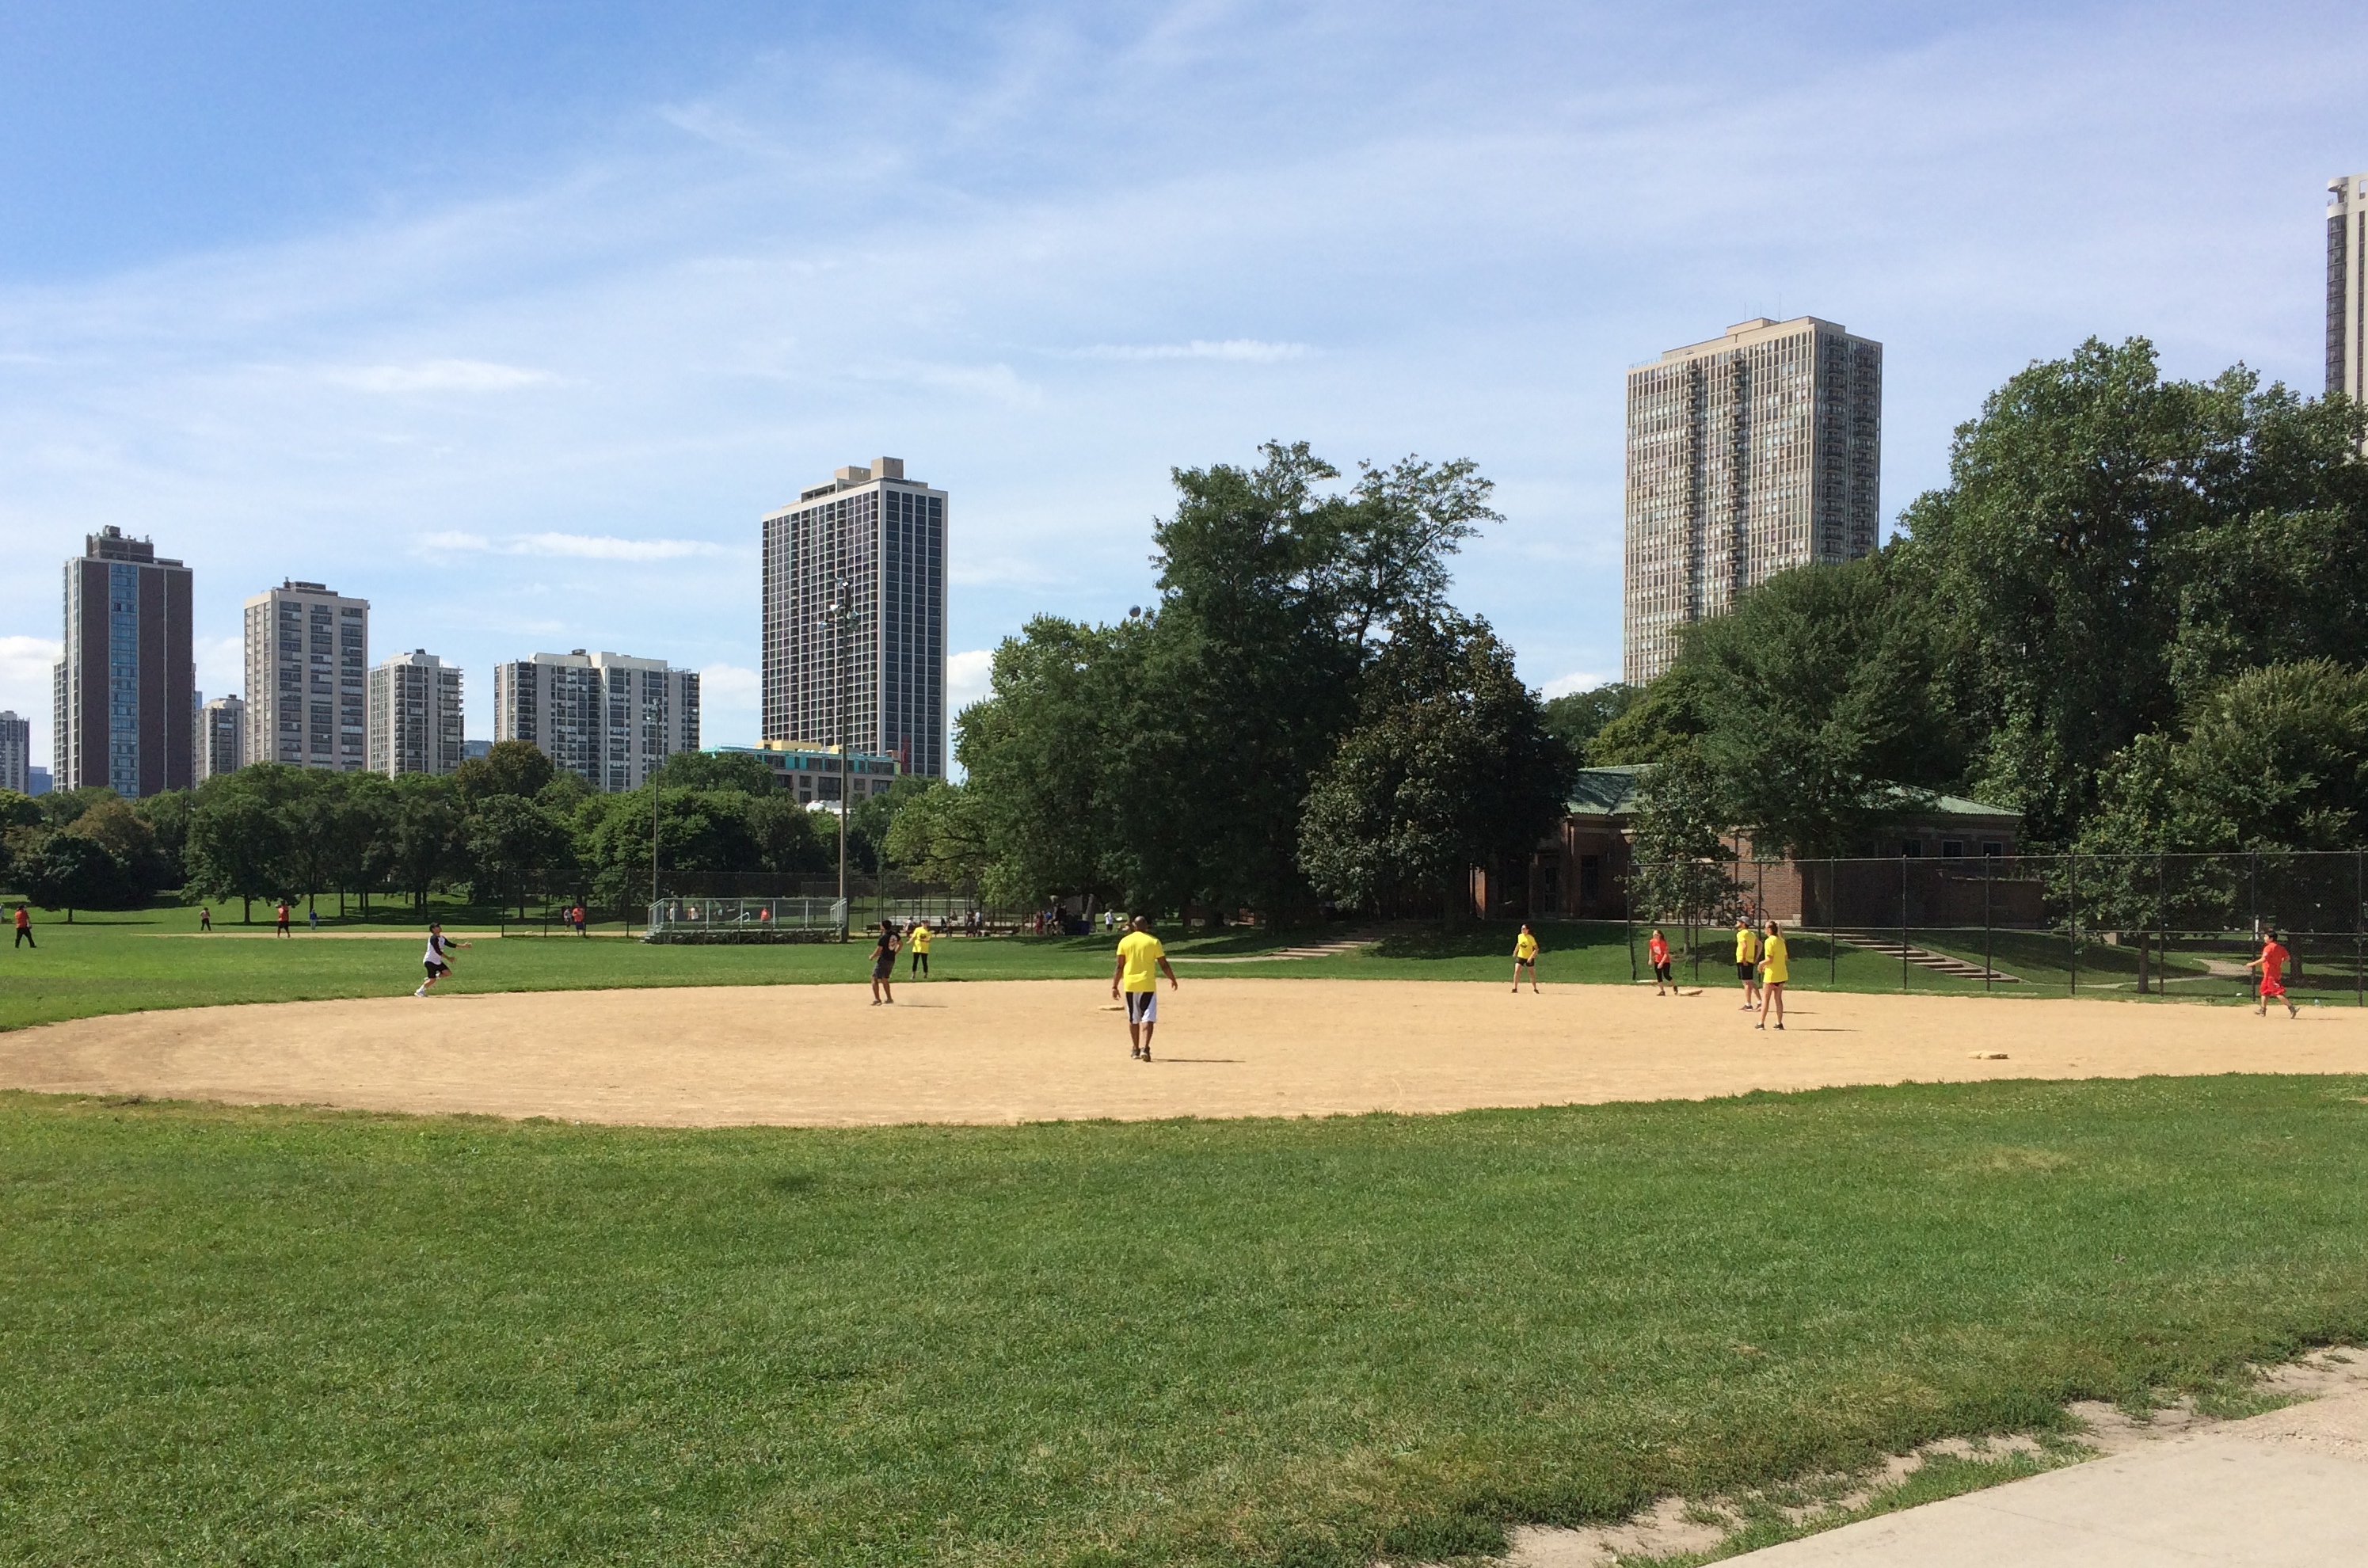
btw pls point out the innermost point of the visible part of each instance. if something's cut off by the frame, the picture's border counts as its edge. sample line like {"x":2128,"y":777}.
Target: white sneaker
{"x":421,"y":992}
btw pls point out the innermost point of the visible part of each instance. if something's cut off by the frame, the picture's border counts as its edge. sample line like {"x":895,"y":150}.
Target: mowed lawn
{"x":285,"y":1337}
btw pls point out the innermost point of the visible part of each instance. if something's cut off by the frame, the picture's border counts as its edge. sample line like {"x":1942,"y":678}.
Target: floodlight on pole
{"x":842,"y":613}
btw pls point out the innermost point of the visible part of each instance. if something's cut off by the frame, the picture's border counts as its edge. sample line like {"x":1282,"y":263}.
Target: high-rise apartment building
{"x":307,"y":672}
{"x":2347,"y":285}
{"x":222,"y":738}
{"x":15,"y":753}
{"x":883,"y":537}
{"x":1747,"y":454}
{"x":121,"y":694}
{"x":605,"y":717}
{"x":415,"y":715}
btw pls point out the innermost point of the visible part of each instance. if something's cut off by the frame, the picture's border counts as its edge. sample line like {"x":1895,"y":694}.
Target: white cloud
{"x":967,"y":678}
{"x":732,"y":683}
{"x":440,"y":375}
{"x":1250,"y":349}
{"x":1577,"y":680}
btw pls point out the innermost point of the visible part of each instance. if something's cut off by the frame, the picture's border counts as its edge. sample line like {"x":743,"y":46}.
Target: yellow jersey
{"x":1140,"y":951}
{"x":1525,"y":947}
{"x":1746,"y":946}
{"x":919,"y":939}
{"x":1772,"y":957}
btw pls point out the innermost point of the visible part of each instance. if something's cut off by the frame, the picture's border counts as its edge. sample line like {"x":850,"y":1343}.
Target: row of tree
{"x":2134,"y":615}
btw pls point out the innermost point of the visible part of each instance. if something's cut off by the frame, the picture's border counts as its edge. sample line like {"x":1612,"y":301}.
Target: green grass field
{"x":264,"y":1336}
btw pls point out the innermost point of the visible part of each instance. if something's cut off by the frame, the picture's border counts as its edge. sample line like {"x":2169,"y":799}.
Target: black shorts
{"x":437,"y":971}
{"x":885,"y":969}
{"x":1747,"y":972}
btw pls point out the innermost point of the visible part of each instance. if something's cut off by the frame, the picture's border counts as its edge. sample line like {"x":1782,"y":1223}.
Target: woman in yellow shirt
{"x":1525,"y":952}
{"x":1774,"y":970}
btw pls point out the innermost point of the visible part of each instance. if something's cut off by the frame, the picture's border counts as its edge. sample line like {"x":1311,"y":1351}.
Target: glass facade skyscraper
{"x":125,"y":690}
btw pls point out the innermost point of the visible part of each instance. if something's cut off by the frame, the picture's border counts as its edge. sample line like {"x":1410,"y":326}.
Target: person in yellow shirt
{"x":1774,"y":970}
{"x":917,"y":939}
{"x":1141,"y":959}
{"x":1747,"y":962}
{"x":1525,"y":955}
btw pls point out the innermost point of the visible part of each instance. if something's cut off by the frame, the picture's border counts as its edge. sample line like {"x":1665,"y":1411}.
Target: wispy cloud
{"x":1577,"y":680}
{"x":1248,"y":350}
{"x":439,"y":376}
{"x":582,"y":547}
{"x":969,"y":676}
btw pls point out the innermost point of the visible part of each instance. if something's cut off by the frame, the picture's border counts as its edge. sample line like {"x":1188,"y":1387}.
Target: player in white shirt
{"x":438,"y":958}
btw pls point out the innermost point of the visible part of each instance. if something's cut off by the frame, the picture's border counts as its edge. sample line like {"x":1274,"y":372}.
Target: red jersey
{"x":1658,"y":950}
{"x":2273,"y":964}
{"x":23,"y":920}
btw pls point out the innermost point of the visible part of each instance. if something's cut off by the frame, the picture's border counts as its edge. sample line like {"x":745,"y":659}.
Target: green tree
{"x":418,"y":833}
{"x":509,"y":768}
{"x":167,"y":818}
{"x":61,"y":807}
{"x":1449,"y":767}
{"x":70,"y":871}
{"x":939,"y":837}
{"x":1576,"y":718}
{"x":1658,"y":722}
{"x":1681,"y":865}
{"x":237,"y":841}
{"x":508,"y":838}
{"x":749,"y":774}
{"x":113,"y":824}
{"x":875,"y":816}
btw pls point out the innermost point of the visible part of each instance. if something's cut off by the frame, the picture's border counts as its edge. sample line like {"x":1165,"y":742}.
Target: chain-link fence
{"x":2172,"y":926}
{"x":739,"y":906}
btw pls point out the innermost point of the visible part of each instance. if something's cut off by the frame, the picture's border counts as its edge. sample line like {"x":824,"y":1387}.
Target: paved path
{"x":2286,"y":1489}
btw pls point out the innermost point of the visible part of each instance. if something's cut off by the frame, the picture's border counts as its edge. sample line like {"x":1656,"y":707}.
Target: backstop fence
{"x":2137,"y":925}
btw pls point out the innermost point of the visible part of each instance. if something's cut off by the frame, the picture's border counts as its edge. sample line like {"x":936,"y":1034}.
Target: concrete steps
{"x":1939,"y":963}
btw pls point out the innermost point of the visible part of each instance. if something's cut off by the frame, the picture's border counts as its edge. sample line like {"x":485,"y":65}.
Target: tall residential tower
{"x":883,"y":537}
{"x":124,"y":691}
{"x":307,"y":664}
{"x":222,"y":737}
{"x":15,"y":753}
{"x":415,"y":715}
{"x":2347,"y":285}
{"x":605,"y":717}
{"x":1747,"y":454}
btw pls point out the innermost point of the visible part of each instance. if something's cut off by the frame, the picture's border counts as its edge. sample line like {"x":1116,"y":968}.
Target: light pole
{"x":842,"y":613}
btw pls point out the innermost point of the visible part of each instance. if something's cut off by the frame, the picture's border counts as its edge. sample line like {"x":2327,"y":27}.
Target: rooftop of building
{"x":1757,"y":329}
{"x":854,"y":476}
{"x":111,"y":543}
{"x":1607,"y":793}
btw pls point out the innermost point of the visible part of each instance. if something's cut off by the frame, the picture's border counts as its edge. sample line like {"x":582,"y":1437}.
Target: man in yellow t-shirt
{"x":1774,"y":970}
{"x":1137,"y":980}
{"x":1747,"y":962}
{"x":1525,"y":955}
{"x":917,"y":941}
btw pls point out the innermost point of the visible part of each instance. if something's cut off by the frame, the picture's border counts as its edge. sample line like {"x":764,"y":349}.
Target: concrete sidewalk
{"x":2284,"y":1490}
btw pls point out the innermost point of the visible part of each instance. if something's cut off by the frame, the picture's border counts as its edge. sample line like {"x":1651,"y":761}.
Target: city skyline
{"x":522,"y":377}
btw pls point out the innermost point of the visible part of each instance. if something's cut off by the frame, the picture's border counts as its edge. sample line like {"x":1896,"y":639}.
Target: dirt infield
{"x":1020,"y":1051}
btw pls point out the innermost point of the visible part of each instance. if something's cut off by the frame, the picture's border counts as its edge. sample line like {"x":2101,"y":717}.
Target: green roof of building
{"x":1612,"y":793}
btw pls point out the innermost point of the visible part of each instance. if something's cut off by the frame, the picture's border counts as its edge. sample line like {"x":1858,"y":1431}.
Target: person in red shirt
{"x":281,"y":927}
{"x":24,"y":932}
{"x":2273,"y":965}
{"x":1658,"y":950}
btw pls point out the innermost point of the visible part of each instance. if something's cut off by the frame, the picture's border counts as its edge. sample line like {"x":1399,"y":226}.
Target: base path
{"x":1021,"y":1051}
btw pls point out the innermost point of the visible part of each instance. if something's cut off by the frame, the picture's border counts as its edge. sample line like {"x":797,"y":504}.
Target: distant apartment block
{"x":883,"y":536}
{"x":307,"y":677}
{"x":2347,"y":285}
{"x":222,"y":738}
{"x":41,"y":781}
{"x":607,"y":718}
{"x":810,"y":773}
{"x":415,"y":715}
{"x":1746,"y":454}
{"x":121,"y":695}
{"x":15,"y":753}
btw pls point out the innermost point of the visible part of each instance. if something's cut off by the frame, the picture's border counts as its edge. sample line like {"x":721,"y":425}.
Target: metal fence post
{"x":2161,"y":930}
{"x":1833,"y":932}
{"x":2072,"y":919}
{"x":1989,"y":964}
{"x":2359,"y":930}
{"x":1903,"y":920}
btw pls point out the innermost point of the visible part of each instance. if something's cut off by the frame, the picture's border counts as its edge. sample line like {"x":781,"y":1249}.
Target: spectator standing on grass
{"x":313,"y":917}
{"x":1657,"y":952}
{"x":2273,"y":965}
{"x":1137,"y":980}
{"x":921,"y":945}
{"x":1525,"y":956}
{"x":439,"y":959}
{"x":883,"y":964}
{"x":24,"y":931}
{"x":280,"y":923}
{"x":1775,"y":968}
{"x":1746,"y":961}
{"x":575,"y":917}
{"x":205,"y":918}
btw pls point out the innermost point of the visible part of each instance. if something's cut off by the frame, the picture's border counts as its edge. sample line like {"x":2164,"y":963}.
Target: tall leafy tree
{"x":237,"y":841}
{"x":75,"y":870}
{"x":508,"y":837}
{"x":1576,"y":718}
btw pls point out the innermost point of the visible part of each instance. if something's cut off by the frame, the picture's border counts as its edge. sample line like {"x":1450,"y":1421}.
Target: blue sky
{"x":515,"y":319}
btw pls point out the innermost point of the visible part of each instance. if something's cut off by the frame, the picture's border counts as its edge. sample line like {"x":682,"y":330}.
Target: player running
{"x":1775,"y":968}
{"x":919,"y":942}
{"x":1747,"y":962}
{"x":439,"y":957}
{"x":2273,"y":965}
{"x":1525,"y":955}
{"x":1657,"y":950}
{"x":1136,"y":979}
{"x":884,"y":965}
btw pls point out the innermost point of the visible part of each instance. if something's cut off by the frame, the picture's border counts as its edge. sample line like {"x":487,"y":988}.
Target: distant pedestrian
{"x":205,"y":918}
{"x":919,"y":942}
{"x":1141,"y":961}
{"x":576,"y":918}
{"x":1657,"y":952}
{"x":24,"y":931}
{"x":1747,"y":962}
{"x":1775,"y":968}
{"x":439,"y":959}
{"x":279,"y":926}
{"x":883,"y":964}
{"x":312,"y":915}
{"x":2273,"y":965}
{"x":1525,"y":956}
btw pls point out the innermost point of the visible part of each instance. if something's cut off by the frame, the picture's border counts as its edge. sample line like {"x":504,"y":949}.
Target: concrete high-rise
{"x":122,"y":692}
{"x":307,"y":669}
{"x":605,"y":717}
{"x":1746,"y":454}
{"x":883,"y":537}
{"x":15,"y":753}
{"x":2347,"y":286}
{"x":415,"y":715}
{"x":222,"y":738}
